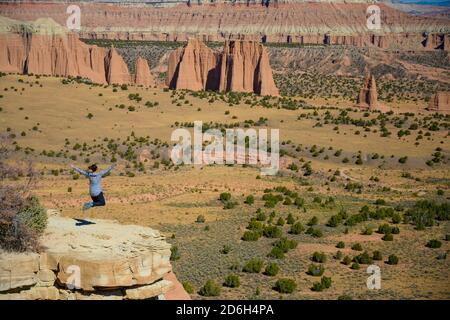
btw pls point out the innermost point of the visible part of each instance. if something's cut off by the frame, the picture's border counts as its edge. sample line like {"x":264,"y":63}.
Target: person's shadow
{"x":82,"y":222}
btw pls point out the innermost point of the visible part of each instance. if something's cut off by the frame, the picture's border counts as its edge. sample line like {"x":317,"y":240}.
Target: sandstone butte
{"x":46,"y":48}
{"x":103,"y":260}
{"x":440,"y":102}
{"x":290,"y":21}
{"x":242,"y":66}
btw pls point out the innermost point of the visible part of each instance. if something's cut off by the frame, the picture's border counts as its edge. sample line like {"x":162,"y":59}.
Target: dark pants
{"x":98,"y":201}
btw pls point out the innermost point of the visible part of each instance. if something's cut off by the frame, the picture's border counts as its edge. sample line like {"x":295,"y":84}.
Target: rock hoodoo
{"x":440,"y":102}
{"x":45,"y":48}
{"x":368,"y":97}
{"x":193,"y":67}
{"x":142,"y":74}
{"x":116,"y":69}
{"x":103,"y":260}
{"x":243,"y":66}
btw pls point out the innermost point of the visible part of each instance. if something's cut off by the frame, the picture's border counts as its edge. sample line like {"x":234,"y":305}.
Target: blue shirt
{"x":95,"y":179}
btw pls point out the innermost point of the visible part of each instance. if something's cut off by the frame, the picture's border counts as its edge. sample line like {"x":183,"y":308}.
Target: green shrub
{"x":253,"y":265}
{"x":367,"y":231}
{"x":290,"y":219}
{"x":314,"y":232}
{"x":396,"y":218}
{"x":210,"y":289}
{"x":200,"y":219}
{"x":338,"y":255}
{"x":261,"y":216}
{"x":347,"y":260}
{"x":33,"y":215}
{"x":340,"y":245}
{"x":285,"y":285}
{"x":297,"y":228}
{"x":188,"y":287}
{"x":377,"y":255}
{"x":434,"y":244}
{"x":355,"y":266}
{"x":272,"y":269}
{"x":174,"y":253}
{"x":313,"y":221}
{"x":249,"y":200}
{"x":280,"y":222}
{"x":345,"y":297}
{"x":315,"y":270}
{"x":276,"y":253}
{"x":392,"y":259}
{"x":251,"y":236}
{"x":226,"y":249}
{"x":388,"y":237}
{"x":357,"y":247}
{"x":232,"y":281}
{"x":319,"y":257}
{"x":272,"y":232}
{"x":363,"y":258}
{"x":225,"y":196}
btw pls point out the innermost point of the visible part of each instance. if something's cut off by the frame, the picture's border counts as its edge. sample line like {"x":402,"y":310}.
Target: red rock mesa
{"x":440,"y":102}
{"x":368,"y":97}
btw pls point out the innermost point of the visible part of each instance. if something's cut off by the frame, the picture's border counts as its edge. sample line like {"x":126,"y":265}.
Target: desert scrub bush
{"x":392,"y":259}
{"x":355,"y":266}
{"x":347,"y":260}
{"x":33,"y":215}
{"x":434,"y":244}
{"x":285,"y":285}
{"x":210,"y":289}
{"x":388,"y":237}
{"x":284,"y":244}
{"x":226,"y":249}
{"x":174,"y":253}
{"x":357,"y":247}
{"x":253,"y":265}
{"x":249,"y":200}
{"x":314,"y":232}
{"x":313,"y":221}
{"x":319,"y":257}
{"x":363,"y":258}
{"x":297,"y":228}
{"x":367,"y":231}
{"x":276,"y":253}
{"x":272,"y":269}
{"x":272,"y":232}
{"x":377,"y":256}
{"x":251,"y":235}
{"x":232,"y":281}
{"x":424,"y":213}
{"x":315,"y":270}
{"x":188,"y":287}
{"x":200,"y":219}
{"x":325,"y":283}
{"x":340,"y":245}
{"x":290,"y":219}
{"x":280,"y":222}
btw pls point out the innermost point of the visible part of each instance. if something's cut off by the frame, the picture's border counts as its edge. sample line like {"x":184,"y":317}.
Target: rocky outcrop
{"x":440,"y":102}
{"x":48,"y":49}
{"x":243,"y":66}
{"x":193,"y":67}
{"x":142,"y":74}
{"x":116,"y":69}
{"x":99,"y":260}
{"x":288,"y":21}
{"x":368,"y":97}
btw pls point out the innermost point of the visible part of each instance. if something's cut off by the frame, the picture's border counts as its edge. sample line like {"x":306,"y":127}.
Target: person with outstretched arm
{"x":95,"y":189}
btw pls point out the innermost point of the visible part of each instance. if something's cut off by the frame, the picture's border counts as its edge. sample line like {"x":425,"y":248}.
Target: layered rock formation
{"x":193,"y":67}
{"x":368,"y":97}
{"x":45,"y":48}
{"x":440,"y":102}
{"x":243,"y":66}
{"x":103,"y":260}
{"x":142,"y":74}
{"x":307,"y":22}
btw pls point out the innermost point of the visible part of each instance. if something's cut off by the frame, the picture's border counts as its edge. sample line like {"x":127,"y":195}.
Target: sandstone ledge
{"x":98,"y":259}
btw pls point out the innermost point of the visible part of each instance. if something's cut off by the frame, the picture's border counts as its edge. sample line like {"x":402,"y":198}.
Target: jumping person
{"x":95,"y":189}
